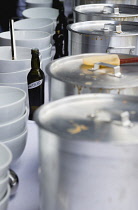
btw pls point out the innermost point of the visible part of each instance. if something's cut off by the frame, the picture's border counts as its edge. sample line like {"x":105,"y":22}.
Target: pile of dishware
{"x":14,"y":72}
{"x":30,"y":39}
{"x":13,"y":120}
{"x":5,"y":190}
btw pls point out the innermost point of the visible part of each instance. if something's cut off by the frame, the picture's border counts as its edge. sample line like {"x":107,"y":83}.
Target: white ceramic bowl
{"x":3,"y":185}
{"x":35,"y":24}
{"x":5,"y":201}
{"x":38,"y":3}
{"x":31,"y":39}
{"x":17,"y":144}
{"x":45,"y":53}
{"x":23,"y":86}
{"x":12,"y":103}
{"x":14,"y":77}
{"x":41,"y":12}
{"x":5,"y":160}
{"x":13,"y":128}
{"x":45,"y":62}
{"x":22,"y":62}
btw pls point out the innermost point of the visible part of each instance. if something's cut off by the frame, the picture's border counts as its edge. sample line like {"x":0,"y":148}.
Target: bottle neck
{"x":35,"y":62}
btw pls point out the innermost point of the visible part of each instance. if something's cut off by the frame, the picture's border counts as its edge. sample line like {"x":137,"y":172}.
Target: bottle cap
{"x":35,"y":50}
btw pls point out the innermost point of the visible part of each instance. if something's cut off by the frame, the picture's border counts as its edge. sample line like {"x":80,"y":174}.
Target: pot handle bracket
{"x":117,"y":72}
{"x":117,"y":49}
{"x":105,"y":116}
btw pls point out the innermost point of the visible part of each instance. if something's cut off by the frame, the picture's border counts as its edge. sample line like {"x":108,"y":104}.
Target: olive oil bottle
{"x":36,"y":81}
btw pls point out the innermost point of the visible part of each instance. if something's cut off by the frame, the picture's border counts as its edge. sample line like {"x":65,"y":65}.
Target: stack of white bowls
{"x":13,"y":120}
{"x":30,"y":39}
{"x":41,"y":12}
{"x":14,"y":72}
{"x":38,"y":3}
{"x":38,"y":24}
{"x":5,"y":161}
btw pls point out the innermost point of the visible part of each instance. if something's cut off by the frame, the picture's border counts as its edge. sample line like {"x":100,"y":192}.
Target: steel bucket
{"x":88,"y":153}
{"x":69,"y":76}
{"x":119,"y":12}
{"x":103,"y":36}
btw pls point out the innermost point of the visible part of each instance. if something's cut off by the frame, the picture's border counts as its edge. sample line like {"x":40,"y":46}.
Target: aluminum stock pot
{"x":120,"y":12}
{"x":88,"y":149}
{"x":70,"y":76}
{"x":103,"y":36}
{"x":82,"y":2}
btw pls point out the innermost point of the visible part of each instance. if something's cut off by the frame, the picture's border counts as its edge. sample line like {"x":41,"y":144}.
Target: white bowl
{"x":45,"y":53}
{"x":5,"y":201}
{"x":22,"y":62}
{"x":13,"y":128}
{"x":14,"y":77}
{"x":5,"y":160}
{"x":17,"y":144}
{"x":38,"y":3}
{"x":45,"y":62}
{"x":3,"y":185}
{"x":41,"y":12}
{"x":31,"y":39}
{"x":12,"y":103}
{"x":23,"y":86}
{"x":35,"y":24}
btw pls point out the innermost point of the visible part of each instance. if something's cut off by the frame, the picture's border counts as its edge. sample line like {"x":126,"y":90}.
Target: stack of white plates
{"x":13,"y":120}
{"x":5,"y":161}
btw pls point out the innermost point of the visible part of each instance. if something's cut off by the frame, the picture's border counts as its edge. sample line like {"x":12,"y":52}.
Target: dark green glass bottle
{"x":36,"y":81}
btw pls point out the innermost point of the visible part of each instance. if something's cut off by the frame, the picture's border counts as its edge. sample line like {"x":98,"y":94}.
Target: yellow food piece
{"x":77,"y":128}
{"x":112,"y":59}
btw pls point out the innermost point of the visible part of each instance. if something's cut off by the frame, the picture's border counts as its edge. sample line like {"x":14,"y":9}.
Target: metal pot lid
{"x":108,"y":10}
{"x":71,"y":70}
{"x":105,"y":28}
{"x":91,"y":117}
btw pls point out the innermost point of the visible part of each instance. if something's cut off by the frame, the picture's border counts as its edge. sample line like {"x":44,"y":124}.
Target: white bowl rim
{"x":47,"y":58}
{"x":17,"y":101}
{"x":46,"y":35}
{"x":17,"y":60}
{"x":31,"y":2}
{"x":26,"y":112}
{"x":17,"y":137}
{"x":5,"y":165}
{"x":7,"y":195}
{"x":47,"y":48}
{"x":14,"y":72}
{"x":5,"y":178}
{"x":33,"y":19}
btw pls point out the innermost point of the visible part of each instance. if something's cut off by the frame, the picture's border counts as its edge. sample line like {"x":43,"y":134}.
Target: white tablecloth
{"x":27,"y":195}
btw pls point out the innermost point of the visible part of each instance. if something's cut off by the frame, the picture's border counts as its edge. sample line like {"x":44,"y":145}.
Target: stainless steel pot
{"x":103,"y":36}
{"x":82,"y":2}
{"x":88,"y":153}
{"x":120,"y":12}
{"x":68,"y":76}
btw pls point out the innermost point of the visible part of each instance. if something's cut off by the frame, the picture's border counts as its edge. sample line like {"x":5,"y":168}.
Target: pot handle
{"x":117,"y":72}
{"x":105,"y":116}
{"x":114,"y":49}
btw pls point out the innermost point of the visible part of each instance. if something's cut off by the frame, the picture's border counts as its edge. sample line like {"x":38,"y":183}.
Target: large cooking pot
{"x":88,"y":149}
{"x":82,"y":2}
{"x":70,"y":76}
{"x":119,"y":12}
{"x":103,"y":36}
